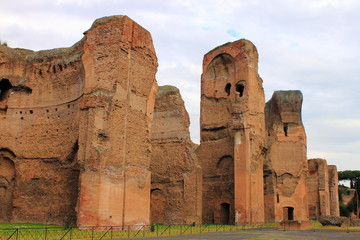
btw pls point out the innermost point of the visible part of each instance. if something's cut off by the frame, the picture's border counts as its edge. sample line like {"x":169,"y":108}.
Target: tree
{"x":3,"y":43}
{"x":354,"y":177}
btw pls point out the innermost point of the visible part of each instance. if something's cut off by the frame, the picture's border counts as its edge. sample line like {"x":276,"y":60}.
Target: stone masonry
{"x":232,"y":135}
{"x":322,"y":183}
{"x":285,"y":165}
{"x":176,"y":179}
{"x":87,"y":138}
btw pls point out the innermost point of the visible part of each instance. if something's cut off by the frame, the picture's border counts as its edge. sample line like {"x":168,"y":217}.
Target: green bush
{"x":3,"y":43}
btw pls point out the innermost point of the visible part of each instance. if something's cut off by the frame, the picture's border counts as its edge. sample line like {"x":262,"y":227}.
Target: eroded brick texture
{"x":285,"y":166}
{"x":232,"y":135}
{"x":176,"y":181}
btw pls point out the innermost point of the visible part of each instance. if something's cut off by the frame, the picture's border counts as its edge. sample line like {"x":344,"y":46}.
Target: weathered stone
{"x":78,"y":142}
{"x":232,"y":135}
{"x":332,"y":220}
{"x":285,"y":166}
{"x":322,"y":183}
{"x":87,"y":108}
{"x":176,"y":181}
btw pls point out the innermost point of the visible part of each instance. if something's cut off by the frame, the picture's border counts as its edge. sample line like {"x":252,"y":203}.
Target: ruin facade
{"x":87,"y":138}
{"x":232,"y":135}
{"x":322,"y":183}
{"x":176,"y":180}
{"x":285,"y":167}
{"x":75,"y":126}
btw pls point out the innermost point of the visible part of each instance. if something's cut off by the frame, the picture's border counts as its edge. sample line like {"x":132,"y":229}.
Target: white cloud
{"x":308,"y":45}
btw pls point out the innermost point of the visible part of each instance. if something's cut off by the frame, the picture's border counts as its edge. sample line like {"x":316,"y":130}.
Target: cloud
{"x":307,"y":45}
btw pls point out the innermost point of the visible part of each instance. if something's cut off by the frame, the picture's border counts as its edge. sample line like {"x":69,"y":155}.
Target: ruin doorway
{"x":7,"y":183}
{"x":224,"y":213}
{"x":288,"y":213}
{"x":157,"y":206}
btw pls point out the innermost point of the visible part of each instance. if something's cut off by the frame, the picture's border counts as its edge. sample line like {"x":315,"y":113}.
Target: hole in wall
{"x":286,"y":126}
{"x":240,"y":89}
{"x":228,"y":88}
{"x":5,"y":86}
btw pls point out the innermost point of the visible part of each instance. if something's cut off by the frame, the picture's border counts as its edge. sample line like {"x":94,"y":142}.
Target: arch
{"x":226,"y":162}
{"x":222,"y":66}
{"x":240,"y":88}
{"x":5,"y":86}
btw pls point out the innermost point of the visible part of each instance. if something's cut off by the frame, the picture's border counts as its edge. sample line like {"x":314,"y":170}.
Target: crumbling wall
{"x":116,"y":114}
{"x":232,"y":136}
{"x":285,"y":167}
{"x":7,"y":182}
{"x":322,"y":182}
{"x":334,"y":190}
{"x":87,"y":108}
{"x":176,"y":179}
{"x":39,"y":122}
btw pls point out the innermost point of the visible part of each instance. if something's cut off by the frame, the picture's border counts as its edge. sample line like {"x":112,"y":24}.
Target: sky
{"x":307,"y":45}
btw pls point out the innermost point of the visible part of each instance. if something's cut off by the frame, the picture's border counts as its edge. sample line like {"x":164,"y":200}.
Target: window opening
{"x":228,"y":88}
{"x":286,"y":126}
{"x":240,"y":89}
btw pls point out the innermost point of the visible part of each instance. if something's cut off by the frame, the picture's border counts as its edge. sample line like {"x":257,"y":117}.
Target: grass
{"x":25,"y":225}
{"x":31,"y":231}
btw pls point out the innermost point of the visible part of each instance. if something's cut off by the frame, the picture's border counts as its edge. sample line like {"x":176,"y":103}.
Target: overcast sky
{"x":310,"y":45}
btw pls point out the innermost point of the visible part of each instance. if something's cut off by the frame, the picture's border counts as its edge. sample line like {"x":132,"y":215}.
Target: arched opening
{"x":288,"y":213}
{"x":157,"y":206}
{"x":225,"y":162}
{"x":225,"y":213}
{"x":5,"y":86}
{"x":240,"y":89}
{"x":228,"y":88}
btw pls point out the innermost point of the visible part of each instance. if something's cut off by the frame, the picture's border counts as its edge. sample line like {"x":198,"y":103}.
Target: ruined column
{"x":116,"y":115}
{"x":334,"y":191}
{"x":232,"y":136}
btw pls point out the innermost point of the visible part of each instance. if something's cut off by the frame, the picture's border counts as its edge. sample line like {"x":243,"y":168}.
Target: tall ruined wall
{"x":334,"y":190}
{"x":232,"y":135}
{"x":88,"y":108}
{"x":176,"y":179}
{"x":318,"y":188}
{"x":285,"y":167}
{"x":116,"y":114}
{"x":322,"y":182}
{"x":39,"y":125}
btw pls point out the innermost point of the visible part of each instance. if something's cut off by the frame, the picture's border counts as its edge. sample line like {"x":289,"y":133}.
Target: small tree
{"x":354,"y":177}
{"x":3,"y":43}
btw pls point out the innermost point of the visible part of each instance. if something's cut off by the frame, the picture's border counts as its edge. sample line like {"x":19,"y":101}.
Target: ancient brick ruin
{"x":322,"y":184}
{"x":88,"y":138}
{"x":285,"y":165}
{"x":176,"y":179}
